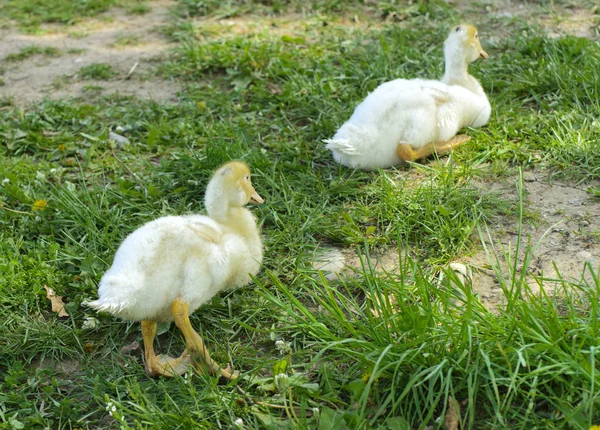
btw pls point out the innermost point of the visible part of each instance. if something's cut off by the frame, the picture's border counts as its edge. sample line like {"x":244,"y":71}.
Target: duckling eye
{"x":476,"y":36}
{"x":247,"y":177}
{"x":457,"y":29}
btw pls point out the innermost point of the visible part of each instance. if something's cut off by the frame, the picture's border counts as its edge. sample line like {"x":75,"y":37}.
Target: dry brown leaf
{"x":131,"y":347}
{"x":90,"y":347}
{"x":452,"y":418}
{"x":273,"y":88}
{"x":57,"y":302}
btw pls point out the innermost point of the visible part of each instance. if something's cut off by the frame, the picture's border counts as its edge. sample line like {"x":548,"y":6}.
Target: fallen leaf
{"x":119,"y":140}
{"x":274,"y":89}
{"x":452,"y":418}
{"x":90,"y":323}
{"x":57,"y":302}
{"x":131,"y":347}
{"x":463,"y":272}
{"x":89,"y":347}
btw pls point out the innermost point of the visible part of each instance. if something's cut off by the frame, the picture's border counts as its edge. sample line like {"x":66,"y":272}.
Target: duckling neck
{"x":237,"y":218}
{"x":216,"y":200}
{"x":241,"y":221}
{"x":217,"y":209}
{"x":457,"y":72}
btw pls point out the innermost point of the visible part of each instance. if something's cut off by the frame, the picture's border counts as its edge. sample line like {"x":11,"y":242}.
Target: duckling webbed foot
{"x":169,"y":366}
{"x":161,"y":365}
{"x":200,"y":356}
{"x":407,"y":153}
{"x":445,"y":147}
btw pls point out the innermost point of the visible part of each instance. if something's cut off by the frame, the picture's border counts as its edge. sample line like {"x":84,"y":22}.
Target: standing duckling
{"x":171,"y":266}
{"x":404,"y":120}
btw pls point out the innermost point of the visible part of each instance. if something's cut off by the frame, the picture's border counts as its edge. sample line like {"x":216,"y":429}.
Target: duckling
{"x":169,"y":267}
{"x":404,"y":120}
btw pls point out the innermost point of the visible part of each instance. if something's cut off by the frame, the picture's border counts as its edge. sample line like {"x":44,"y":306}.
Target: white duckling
{"x":171,"y":266}
{"x":404,"y":120}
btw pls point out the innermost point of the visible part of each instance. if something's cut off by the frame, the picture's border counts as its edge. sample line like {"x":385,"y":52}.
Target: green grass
{"x":394,"y":10}
{"x":270,"y":99}
{"x":32,"y":14}
{"x":31,"y":51}
{"x":138,"y":8}
{"x":126,"y":40}
{"x":97,"y":71}
{"x":531,"y":364}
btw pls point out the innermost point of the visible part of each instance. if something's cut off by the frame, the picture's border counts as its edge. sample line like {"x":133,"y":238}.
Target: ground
{"x":114,"y":38}
{"x":109,"y":119}
{"x":563,"y":235}
{"x":124,"y":41}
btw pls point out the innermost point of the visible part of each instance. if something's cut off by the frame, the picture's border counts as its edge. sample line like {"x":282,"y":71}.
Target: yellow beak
{"x":255,"y":198}
{"x":483,"y":54}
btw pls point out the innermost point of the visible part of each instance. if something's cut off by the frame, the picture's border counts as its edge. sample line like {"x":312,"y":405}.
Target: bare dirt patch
{"x":562,"y":230}
{"x":115,"y":38}
{"x":284,"y":24}
{"x":122,"y":40}
{"x":557,"y":19}
{"x":340,"y":262}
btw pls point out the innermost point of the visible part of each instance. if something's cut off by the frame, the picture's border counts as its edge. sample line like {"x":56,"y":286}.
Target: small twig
{"x":489,"y":272}
{"x":132,"y":69}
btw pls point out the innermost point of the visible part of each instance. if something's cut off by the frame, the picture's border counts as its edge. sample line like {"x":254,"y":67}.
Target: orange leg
{"x":408,"y":153}
{"x":195,"y":344}
{"x":161,"y":365}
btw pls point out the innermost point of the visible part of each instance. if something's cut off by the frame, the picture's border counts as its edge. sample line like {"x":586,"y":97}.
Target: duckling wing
{"x":439,"y":95}
{"x":205,"y":228}
{"x":446,"y":115}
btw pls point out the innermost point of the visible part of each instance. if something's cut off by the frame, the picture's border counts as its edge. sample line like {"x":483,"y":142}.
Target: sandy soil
{"x":562,"y":229}
{"x":90,"y":42}
{"x":563,"y":233}
{"x":98,"y":40}
{"x":557,"y":19}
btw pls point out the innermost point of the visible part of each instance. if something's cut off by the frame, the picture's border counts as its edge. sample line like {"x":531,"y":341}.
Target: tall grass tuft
{"x":404,"y":344}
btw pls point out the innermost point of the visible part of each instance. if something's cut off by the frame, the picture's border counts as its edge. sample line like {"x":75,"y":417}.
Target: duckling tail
{"x":340,"y":145}
{"x":116,"y":293}
{"x":113,"y":307}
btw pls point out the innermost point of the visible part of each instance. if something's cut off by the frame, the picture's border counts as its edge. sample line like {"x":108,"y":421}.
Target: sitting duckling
{"x":404,"y":120}
{"x":171,"y":266}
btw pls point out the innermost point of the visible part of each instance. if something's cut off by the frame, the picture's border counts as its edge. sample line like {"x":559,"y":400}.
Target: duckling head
{"x":230,"y":186}
{"x":463,"y":41}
